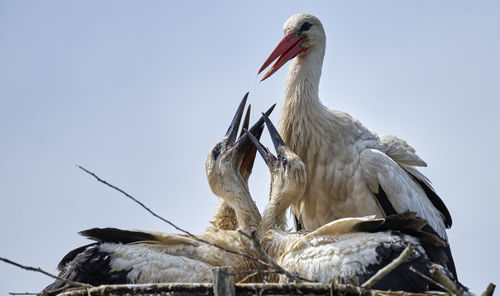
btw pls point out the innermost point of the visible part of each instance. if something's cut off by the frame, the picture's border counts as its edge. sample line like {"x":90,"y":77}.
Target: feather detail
{"x":399,"y":150}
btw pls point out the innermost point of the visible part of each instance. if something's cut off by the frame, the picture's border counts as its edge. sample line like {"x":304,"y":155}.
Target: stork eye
{"x":216,"y":151}
{"x":305,"y":27}
{"x":284,"y":161}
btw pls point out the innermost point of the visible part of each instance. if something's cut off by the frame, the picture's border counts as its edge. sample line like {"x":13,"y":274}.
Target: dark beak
{"x":232,"y":131}
{"x":263,"y":151}
{"x":246,"y":121}
{"x":275,"y":136}
{"x":244,"y":143}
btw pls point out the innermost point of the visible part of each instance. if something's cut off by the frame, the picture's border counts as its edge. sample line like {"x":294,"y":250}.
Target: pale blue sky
{"x":139,"y":91}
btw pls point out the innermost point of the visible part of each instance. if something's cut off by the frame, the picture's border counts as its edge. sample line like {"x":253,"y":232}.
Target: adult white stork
{"x":351,"y":170}
{"x":348,"y":250}
{"x":124,"y":256}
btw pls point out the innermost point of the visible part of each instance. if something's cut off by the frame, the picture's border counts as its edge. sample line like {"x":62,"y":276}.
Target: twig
{"x":428,"y":278}
{"x":241,"y":289}
{"x":252,"y":273}
{"x":445,"y":281}
{"x":389,"y":267}
{"x":489,"y":290}
{"x":38,"y":269}
{"x":258,"y":247}
{"x":55,"y":291}
{"x":170,"y":223}
{"x":25,"y":293}
{"x":247,"y":277}
{"x":257,"y":271}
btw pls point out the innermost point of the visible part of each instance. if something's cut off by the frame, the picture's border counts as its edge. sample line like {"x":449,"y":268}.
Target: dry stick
{"x":445,"y":281}
{"x":252,"y":273}
{"x":55,"y":291}
{"x":170,"y":223}
{"x":38,"y":269}
{"x":389,"y":267}
{"x":429,"y":279}
{"x":258,"y":247}
{"x":489,"y":290}
{"x":247,"y":277}
{"x":241,"y":289}
{"x":25,"y":293}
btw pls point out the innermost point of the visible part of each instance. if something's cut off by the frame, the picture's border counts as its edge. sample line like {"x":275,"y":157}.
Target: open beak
{"x":244,"y":144}
{"x":232,"y":131}
{"x":275,"y":135}
{"x":263,"y":151}
{"x":287,"y":49}
{"x":278,"y":142}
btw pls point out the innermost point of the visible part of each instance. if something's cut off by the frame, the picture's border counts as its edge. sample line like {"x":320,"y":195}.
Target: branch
{"x":170,"y":223}
{"x":389,"y":267}
{"x":428,"y":278}
{"x":258,"y":247}
{"x":38,"y":269}
{"x":252,"y":273}
{"x":445,"y":281}
{"x":489,"y":290}
{"x":241,"y":290}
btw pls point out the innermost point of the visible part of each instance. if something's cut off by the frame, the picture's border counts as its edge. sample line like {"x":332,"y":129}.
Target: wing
{"x":344,"y":225}
{"x":404,"y":155}
{"x":333,"y":229}
{"x":397,"y":191}
{"x":116,"y":263}
{"x":115,"y":235}
{"x":400,"y":151}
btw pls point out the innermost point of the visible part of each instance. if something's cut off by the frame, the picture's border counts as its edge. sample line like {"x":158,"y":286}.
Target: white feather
{"x":341,"y":183}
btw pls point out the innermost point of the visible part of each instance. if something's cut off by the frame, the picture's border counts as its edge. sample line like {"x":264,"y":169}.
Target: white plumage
{"x":122,"y":256}
{"x":345,"y":257}
{"x":138,"y":257}
{"x":348,"y":250}
{"x":349,"y":168}
{"x":151,"y":264}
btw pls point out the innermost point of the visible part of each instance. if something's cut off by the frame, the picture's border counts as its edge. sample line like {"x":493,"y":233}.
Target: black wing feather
{"x":115,"y":235}
{"x":384,"y":202}
{"x":437,"y":202}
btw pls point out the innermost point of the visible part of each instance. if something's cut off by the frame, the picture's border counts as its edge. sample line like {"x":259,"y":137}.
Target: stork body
{"x":137,"y":257}
{"x":122,"y":256}
{"x":348,"y":250}
{"x":351,"y":170}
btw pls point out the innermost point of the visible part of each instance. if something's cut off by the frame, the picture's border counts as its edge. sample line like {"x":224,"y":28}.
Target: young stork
{"x":348,"y":250}
{"x":122,"y":256}
{"x":351,"y":171}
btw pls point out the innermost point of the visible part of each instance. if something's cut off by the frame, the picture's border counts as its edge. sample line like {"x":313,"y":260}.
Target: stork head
{"x":288,"y":172}
{"x":302,"y":33}
{"x":231,"y":160}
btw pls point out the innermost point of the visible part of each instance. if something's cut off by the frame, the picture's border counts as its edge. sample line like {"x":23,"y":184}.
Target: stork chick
{"x":122,"y":256}
{"x":351,"y":171}
{"x":348,"y":250}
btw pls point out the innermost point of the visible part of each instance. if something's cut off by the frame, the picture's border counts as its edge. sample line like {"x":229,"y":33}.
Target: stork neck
{"x":303,"y":78}
{"x":274,"y":215}
{"x":301,"y":103}
{"x":247,"y":213}
{"x":272,"y":228}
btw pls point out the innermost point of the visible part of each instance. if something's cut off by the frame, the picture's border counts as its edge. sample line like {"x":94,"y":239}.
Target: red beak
{"x":287,"y":49}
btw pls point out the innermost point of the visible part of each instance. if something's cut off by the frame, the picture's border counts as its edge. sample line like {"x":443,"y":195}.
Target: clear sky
{"x":139,"y":92}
